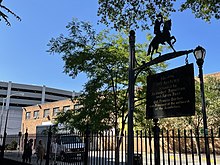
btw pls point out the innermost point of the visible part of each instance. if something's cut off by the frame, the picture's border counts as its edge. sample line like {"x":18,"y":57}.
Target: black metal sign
{"x":171,"y":93}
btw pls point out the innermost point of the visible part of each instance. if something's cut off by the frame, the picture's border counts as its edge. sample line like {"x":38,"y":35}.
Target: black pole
{"x":131,"y":83}
{"x":117,"y":147}
{"x":156,"y":130}
{"x":25,"y":146}
{"x":25,"y":138}
{"x":200,"y":64}
{"x":86,"y":145}
{"x":48,"y":146}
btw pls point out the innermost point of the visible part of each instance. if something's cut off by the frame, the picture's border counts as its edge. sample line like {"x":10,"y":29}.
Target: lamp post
{"x":6,"y":122}
{"x":3,"y":104}
{"x":19,"y":142}
{"x":199,"y":54}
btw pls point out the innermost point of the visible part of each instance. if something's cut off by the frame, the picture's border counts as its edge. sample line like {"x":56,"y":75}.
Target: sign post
{"x":131,"y":83}
{"x":169,"y":94}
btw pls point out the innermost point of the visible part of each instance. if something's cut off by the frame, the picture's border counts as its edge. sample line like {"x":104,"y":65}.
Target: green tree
{"x":195,"y":123}
{"x":4,"y":16}
{"x":212,"y":96}
{"x":103,"y":57}
{"x":141,"y":13}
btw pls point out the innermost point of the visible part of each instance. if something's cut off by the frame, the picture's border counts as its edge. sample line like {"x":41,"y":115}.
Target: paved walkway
{"x":15,"y":155}
{"x":18,"y":157}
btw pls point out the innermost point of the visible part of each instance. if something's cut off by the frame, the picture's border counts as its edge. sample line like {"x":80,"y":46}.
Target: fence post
{"x":156,"y":130}
{"x":48,"y":146}
{"x":25,"y":144}
{"x":86,"y":145}
{"x":117,"y":146}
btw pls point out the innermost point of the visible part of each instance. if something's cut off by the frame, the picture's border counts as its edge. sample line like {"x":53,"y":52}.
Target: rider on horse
{"x":161,"y":37}
{"x":157,"y":25}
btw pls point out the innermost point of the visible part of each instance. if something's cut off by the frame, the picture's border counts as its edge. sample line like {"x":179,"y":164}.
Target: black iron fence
{"x":177,"y":147}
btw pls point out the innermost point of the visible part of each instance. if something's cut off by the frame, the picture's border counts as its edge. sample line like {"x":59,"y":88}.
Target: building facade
{"x":44,"y":114}
{"x":14,"y":96}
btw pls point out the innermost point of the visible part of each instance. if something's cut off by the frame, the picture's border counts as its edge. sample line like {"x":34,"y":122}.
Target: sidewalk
{"x":17,"y":156}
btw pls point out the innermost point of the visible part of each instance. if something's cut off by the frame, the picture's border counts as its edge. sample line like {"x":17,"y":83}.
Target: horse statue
{"x":161,"y":38}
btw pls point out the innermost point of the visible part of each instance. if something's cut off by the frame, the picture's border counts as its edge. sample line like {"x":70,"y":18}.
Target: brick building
{"x":12,"y":100}
{"x":44,"y":114}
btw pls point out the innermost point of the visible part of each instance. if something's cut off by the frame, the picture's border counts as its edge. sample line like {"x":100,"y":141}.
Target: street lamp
{"x":3,"y":103}
{"x":19,"y":142}
{"x":6,"y":121}
{"x":199,"y":54}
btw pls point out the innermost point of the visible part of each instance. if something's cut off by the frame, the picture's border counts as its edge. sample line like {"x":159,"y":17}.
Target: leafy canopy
{"x":103,"y":57}
{"x":127,"y":14}
{"x":212,"y":97}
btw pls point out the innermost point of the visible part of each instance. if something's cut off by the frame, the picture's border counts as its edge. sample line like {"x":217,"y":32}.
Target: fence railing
{"x":177,"y":147}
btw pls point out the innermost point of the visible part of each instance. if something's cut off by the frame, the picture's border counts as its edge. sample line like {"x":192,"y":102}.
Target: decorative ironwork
{"x":161,"y":37}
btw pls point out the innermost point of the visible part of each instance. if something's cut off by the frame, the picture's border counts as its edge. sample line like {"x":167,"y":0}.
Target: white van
{"x":70,"y":147}
{"x":67,"y":146}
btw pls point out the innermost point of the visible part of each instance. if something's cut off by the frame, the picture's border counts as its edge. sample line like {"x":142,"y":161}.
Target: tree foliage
{"x":103,"y":57}
{"x":212,"y":96}
{"x":5,"y":16}
{"x":126,"y":14}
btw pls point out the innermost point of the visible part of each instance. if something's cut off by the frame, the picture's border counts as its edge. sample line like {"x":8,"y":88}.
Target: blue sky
{"x":23,"y":45}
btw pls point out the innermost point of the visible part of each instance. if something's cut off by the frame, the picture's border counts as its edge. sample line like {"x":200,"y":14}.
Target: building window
{"x":55,"y":111}
{"x":66,"y":108}
{"x":46,"y":112}
{"x":77,"y":106}
{"x":28,"y":115}
{"x":36,"y":114}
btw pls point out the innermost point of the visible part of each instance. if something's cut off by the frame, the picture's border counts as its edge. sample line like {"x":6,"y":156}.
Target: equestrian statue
{"x":161,"y":37}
